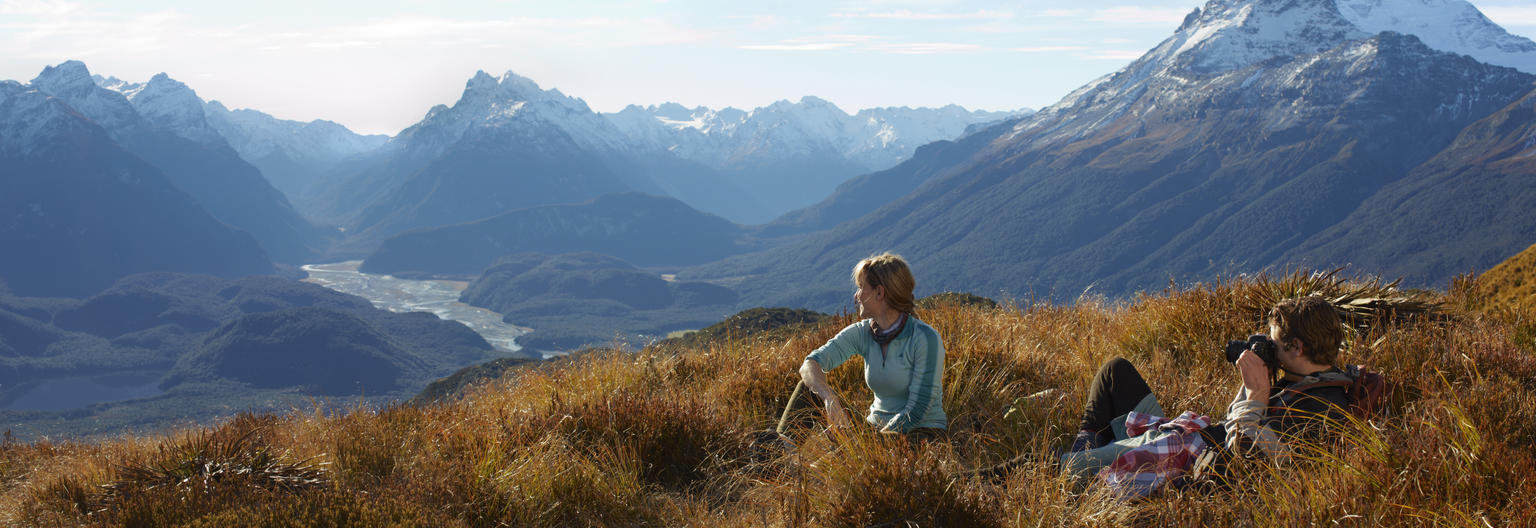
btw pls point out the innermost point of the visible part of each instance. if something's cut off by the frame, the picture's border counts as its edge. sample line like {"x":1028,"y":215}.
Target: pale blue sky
{"x":377,"y":66}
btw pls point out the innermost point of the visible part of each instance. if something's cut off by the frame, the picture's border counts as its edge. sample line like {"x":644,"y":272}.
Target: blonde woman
{"x":903,"y":356}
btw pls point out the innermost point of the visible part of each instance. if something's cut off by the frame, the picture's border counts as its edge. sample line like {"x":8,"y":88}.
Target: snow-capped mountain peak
{"x":483,"y":90}
{"x":875,"y":138}
{"x":31,"y":120}
{"x":512,"y":102}
{"x":1446,"y":25}
{"x":1227,"y":35}
{"x":71,"y":81}
{"x":169,"y":104}
{"x":1231,"y":34}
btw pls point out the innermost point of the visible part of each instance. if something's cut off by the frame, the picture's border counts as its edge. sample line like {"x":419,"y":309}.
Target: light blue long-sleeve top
{"x":907,"y":377}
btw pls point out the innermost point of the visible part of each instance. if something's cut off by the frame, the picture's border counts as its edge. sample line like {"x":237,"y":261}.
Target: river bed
{"x":439,"y":297}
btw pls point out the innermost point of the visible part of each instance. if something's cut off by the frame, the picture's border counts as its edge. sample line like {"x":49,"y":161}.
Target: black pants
{"x":1115,"y":391}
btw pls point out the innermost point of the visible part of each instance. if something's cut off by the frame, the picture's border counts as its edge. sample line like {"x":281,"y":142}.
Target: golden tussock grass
{"x":665,"y":436}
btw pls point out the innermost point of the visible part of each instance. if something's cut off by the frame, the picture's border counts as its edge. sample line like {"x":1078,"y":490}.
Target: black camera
{"x":1262,"y":346}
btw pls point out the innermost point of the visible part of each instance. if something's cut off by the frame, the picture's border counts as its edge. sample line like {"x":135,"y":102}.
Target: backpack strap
{"x":1302,"y":388}
{"x":1325,"y":380}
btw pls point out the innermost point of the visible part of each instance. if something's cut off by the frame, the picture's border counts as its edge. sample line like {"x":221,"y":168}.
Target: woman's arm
{"x":816,"y":380}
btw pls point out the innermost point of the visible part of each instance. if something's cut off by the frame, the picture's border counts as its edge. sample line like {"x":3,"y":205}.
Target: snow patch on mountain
{"x":31,"y":120}
{"x":169,"y":104}
{"x":875,"y":138}
{"x":71,"y":81}
{"x":1447,"y":25}
{"x":257,"y":135}
{"x":490,"y":102}
{"x":1227,"y":36}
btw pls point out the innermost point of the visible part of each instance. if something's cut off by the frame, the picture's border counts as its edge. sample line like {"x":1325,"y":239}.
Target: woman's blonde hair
{"x":891,"y":271}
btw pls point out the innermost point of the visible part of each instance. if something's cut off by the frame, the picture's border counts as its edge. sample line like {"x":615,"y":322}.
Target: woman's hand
{"x":1255,"y":375}
{"x":816,"y":380}
{"x":836,"y":416}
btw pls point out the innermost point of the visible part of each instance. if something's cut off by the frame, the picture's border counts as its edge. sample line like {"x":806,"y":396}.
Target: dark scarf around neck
{"x":883,"y":337}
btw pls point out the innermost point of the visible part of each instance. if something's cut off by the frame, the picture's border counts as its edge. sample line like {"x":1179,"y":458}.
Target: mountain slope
{"x":162,"y":122}
{"x":1245,"y":140}
{"x":1512,"y":283}
{"x":788,"y":155}
{"x":291,"y":154}
{"x":642,"y":229}
{"x":506,"y":144}
{"x":861,"y":195}
{"x":1459,"y":212}
{"x":80,"y":211}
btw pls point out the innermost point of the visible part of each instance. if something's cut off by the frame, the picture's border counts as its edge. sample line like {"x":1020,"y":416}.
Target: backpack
{"x":1370,"y":397}
{"x":1369,"y":392}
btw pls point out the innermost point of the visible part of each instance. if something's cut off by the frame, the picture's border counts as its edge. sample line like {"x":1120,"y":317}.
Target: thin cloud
{"x":37,"y":7}
{"x":905,"y":14}
{"x":1047,"y":49}
{"x":813,"y":46}
{"x":65,"y":30}
{"x":925,"y":48}
{"x":346,"y":44}
{"x":1138,"y":15}
{"x":816,"y":43}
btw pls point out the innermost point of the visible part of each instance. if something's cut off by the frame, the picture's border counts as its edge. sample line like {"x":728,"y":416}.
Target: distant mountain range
{"x":162,"y":122}
{"x":507,"y":144}
{"x":1261,"y":134}
{"x":80,"y":210}
{"x":789,"y":155}
{"x":291,"y":154}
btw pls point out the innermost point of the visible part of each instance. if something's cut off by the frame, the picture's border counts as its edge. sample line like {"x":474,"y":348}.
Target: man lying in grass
{"x":1122,"y":415}
{"x":903,"y":356}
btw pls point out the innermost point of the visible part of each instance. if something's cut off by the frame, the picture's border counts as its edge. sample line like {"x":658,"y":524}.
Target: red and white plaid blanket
{"x":1141,"y":471}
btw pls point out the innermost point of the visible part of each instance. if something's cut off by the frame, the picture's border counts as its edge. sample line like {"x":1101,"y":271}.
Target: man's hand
{"x":1255,"y":375}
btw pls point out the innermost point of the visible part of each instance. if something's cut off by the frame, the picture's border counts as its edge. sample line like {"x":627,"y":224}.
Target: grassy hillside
{"x":662,"y":436}
{"x":1512,"y":284}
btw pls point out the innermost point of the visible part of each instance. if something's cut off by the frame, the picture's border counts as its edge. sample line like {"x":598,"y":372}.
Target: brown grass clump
{"x":665,"y":436}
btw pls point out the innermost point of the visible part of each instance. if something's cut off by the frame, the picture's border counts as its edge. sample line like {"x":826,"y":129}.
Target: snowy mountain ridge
{"x":490,"y":102}
{"x":1447,"y":25}
{"x":71,"y":82}
{"x":1229,"y":36}
{"x":28,"y":116}
{"x":875,"y":138}
{"x":255,"y":135}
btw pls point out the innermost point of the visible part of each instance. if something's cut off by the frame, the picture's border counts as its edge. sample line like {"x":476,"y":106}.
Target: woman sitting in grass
{"x":1306,"y":333}
{"x":903,"y":356}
